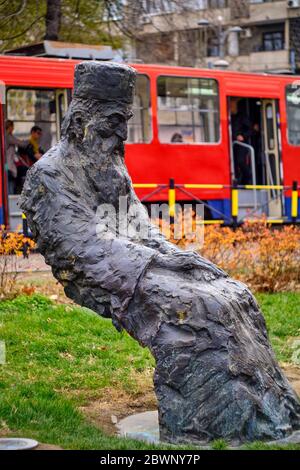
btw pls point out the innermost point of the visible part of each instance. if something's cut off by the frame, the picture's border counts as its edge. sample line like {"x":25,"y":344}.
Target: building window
{"x":273,"y":41}
{"x":213,"y":46}
{"x":191,"y":45}
{"x":139,"y":126}
{"x":158,"y":7}
{"x":293,"y":113}
{"x":217,"y":3}
{"x":156,"y":48}
{"x":188,"y":110}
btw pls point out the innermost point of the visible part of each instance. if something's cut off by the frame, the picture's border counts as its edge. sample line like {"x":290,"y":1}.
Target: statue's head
{"x":102,"y":101}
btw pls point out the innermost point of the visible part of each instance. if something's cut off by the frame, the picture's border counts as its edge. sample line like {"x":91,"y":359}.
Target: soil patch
{"x":106,"y":412}
{"x":115,"y":405}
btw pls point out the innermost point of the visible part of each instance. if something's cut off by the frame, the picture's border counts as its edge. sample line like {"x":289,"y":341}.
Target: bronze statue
{"x":216,"y":375}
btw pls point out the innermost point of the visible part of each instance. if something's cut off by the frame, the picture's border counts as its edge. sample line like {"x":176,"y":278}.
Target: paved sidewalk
{"x":34,"y":263}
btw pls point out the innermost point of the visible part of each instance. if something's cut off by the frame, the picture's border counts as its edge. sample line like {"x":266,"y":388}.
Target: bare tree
{"x":148,"y":27}
{"x":168,"y":31}
{"x":163,"y":30}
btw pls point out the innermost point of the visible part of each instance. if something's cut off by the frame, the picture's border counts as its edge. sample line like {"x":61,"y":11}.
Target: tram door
{"x":272,"y":155}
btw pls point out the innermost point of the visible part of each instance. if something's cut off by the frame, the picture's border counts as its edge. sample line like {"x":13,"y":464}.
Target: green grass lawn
{"x":60,"y":357}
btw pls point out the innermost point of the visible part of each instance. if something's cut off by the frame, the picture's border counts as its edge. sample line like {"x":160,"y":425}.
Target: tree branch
{"x":24,"y":2}
{"x":24,"y":31}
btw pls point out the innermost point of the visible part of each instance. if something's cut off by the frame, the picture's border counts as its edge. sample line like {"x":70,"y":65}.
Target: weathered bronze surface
{"x":216,"y":375}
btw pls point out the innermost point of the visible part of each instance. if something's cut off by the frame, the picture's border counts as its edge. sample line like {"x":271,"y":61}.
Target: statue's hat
{"x":106,"y":81}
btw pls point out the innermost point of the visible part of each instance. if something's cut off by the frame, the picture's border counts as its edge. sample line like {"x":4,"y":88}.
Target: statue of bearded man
{"x":216,"y":375}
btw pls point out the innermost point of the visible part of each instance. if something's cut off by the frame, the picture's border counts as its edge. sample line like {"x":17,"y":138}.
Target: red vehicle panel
{"x":187,"y":162}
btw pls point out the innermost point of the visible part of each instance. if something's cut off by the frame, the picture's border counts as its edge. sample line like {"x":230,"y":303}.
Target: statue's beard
{"x":111,"y":144}
{"x":99,"y":145}
{"x":103,"y":158}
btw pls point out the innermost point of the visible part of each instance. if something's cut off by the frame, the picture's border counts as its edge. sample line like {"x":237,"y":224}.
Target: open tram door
{"x":272,"y":156}
{"x":255,"y":149}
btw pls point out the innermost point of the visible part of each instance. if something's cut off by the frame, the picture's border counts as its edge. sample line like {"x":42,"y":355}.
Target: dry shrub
{"x":11,"y":247}
{"x":266,"y":258}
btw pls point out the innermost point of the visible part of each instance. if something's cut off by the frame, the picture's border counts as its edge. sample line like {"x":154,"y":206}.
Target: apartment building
{"x":245,"y":35}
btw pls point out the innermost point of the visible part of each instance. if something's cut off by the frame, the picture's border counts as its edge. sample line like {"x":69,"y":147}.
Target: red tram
{"x":183,"y":128}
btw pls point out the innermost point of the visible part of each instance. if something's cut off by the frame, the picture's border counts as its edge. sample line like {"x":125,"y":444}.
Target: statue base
{"x":144,"y":427}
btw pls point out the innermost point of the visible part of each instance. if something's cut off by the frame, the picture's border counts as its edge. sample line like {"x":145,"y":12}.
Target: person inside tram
{"x":29,"y":155}
{"x":34,"y":151}
{"x":177,"y":137}
{"x":12,"y":157}
{"x":241,"y":132}
{"x":256,"y":142}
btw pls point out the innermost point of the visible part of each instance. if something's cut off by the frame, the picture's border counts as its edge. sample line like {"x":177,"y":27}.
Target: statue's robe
{"x":216,"y":374}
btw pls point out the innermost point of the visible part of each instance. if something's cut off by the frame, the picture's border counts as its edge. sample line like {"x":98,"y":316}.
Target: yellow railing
{"x":234,"y":196}
{"x":234,"y":199}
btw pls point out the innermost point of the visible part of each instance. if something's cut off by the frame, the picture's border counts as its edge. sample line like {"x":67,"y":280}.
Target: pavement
{"x":34,"y":263}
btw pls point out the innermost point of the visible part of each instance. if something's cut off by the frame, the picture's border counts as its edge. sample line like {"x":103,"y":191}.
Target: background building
{"x":251,"y":35}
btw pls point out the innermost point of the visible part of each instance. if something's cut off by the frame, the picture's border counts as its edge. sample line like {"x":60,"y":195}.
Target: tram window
{"x":27,"y":108}
{"x":293,"y":113}
{"x":188,"y":110}
{"x":139,"y":126}
{"x":270,"y":126}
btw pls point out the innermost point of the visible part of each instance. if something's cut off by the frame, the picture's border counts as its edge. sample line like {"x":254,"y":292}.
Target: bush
{"x":265,"y":257}
{"x":11,"y":247}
